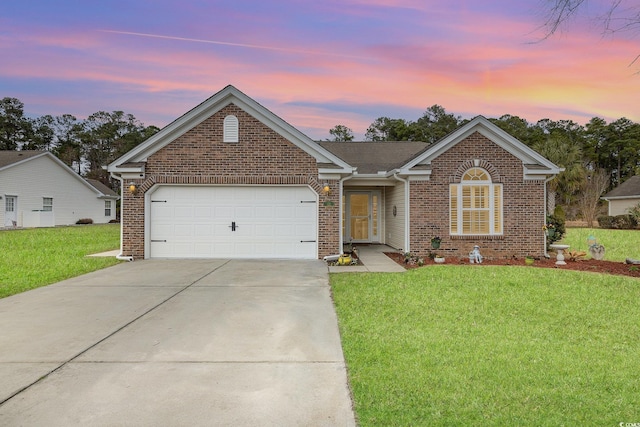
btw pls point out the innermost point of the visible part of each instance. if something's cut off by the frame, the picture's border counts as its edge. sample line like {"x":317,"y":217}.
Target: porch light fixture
{"x":326,"y":189}
{"x":132,"y":188}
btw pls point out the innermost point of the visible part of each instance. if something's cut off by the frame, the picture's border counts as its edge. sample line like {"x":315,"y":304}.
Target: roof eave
{"x":228,"y":95}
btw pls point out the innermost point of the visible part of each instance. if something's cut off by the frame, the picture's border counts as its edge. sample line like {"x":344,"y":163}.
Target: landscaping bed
{"x":589,"y":265}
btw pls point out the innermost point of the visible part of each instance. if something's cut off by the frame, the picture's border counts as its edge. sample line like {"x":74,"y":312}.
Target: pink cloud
{"x":476,"y":70}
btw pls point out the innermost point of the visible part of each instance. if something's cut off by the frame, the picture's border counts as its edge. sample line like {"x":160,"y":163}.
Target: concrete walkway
{"x":176,"y":343}
{"x":373,"y":259}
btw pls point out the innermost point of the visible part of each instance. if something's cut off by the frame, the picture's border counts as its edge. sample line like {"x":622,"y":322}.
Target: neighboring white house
{"x":624,"y":196}
{"x":39,"y":190}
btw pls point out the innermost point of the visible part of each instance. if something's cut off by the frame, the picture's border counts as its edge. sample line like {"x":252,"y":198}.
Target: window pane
{"x":475,"y":204}
{"x":47,"y":204}
{"x":466,"y":197}
{"x":453,"y":213}
{"x":497,"y":209}
{"x":359,"y":204}
{"x":374,"y":215}
{"x":476,"y":174}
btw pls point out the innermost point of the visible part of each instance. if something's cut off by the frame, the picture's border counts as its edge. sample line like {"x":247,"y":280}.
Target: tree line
{"x":597,"y":156}
{"x":84,"y":145}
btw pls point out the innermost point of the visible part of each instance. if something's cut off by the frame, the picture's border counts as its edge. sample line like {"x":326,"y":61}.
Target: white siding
{"x":395,"y":225}
{"x":620,"y":206}
{"x":43,"y":177}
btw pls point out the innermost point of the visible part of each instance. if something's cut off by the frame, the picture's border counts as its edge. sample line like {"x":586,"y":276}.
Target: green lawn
{"x":40,"y":256}
{"x":466,"y":345}
{"x":619,"y":244}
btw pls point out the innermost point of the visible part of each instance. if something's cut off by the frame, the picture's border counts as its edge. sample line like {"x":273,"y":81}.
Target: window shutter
{"x":230,"y":131}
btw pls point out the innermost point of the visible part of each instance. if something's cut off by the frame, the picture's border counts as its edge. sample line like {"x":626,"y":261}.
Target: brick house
{"x":229,"y":179}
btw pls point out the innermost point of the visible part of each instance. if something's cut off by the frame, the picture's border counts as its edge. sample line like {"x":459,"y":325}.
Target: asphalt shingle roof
{"x":8,"y":158}
{"x":629,"y":188}
{"x":372,"y":157}
{"x":101,"y":187}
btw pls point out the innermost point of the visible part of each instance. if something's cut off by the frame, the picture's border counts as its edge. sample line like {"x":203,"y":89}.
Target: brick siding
{"x":261,"y":157}
{"x":523,"y":204}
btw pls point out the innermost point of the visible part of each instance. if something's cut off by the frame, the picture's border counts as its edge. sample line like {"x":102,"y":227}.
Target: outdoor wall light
{"x":326,"y":189}
{"x":132,"y":188}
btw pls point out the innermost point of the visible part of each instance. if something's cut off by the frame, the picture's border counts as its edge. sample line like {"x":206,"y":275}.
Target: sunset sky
{"x":314,"y":63}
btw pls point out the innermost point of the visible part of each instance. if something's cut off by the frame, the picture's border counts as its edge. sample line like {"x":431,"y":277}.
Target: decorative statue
{"x":475,"y":255}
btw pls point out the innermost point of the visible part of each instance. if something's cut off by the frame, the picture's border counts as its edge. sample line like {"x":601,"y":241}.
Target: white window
{"x":107,"y":208}
{"x":47,"y":204}
{"x":230,"y":129}
{"x":475,"y":205}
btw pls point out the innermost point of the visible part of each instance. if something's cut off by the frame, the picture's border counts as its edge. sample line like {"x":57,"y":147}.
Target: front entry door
{"x":10,"y":211}
{"x":362,"y":216}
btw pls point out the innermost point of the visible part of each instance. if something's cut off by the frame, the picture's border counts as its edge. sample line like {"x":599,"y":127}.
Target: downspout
{"x":120,"y":256}
{"x":340,"y":195}
{"x":546,"y":181}
{"x":406,"y":211}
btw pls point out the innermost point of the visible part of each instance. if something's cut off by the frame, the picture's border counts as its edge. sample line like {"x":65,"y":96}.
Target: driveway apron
{"x":176,"y":343}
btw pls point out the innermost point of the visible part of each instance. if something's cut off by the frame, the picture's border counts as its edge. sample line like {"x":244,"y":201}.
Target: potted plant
{"x":438,"y":259}
{"x":529,"y":260}
{"x":435,"y":242}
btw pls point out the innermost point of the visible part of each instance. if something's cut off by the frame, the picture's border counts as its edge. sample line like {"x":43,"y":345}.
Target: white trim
{"x":621,"y":197}
{"x":499,"y":137}
{"x":228,"y":95}
{"x":155,"y":187}
{"x":491,"y":208}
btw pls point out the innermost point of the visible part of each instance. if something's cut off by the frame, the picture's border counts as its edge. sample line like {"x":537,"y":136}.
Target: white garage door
{"x":233,"y":222}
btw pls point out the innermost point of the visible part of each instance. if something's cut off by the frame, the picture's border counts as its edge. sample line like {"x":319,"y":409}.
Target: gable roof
{"x":627,"y":190}
{"x":106,"y":191}
{"x":228,"y":95}
{"x":373,"y":157}
{"x":535,"y":165}
{"x":11,"y":159}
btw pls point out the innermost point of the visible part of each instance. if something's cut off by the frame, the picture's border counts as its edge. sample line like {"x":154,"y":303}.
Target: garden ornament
{"x":475,"y":256}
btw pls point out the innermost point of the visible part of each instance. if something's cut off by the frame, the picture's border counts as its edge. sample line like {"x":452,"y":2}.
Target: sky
{"x":318,"y":63}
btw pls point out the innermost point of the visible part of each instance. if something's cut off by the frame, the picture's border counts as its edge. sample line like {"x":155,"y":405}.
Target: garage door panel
{"x":220,"y":212}
{"x":243,"y":213}
{"x":202,"y":212}
{"x":265,"y":230}
{"x":285,"y":212}
{"x":270,"y":222}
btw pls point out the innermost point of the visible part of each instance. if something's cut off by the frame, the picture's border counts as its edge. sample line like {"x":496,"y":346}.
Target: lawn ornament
{"x":475,"y":256}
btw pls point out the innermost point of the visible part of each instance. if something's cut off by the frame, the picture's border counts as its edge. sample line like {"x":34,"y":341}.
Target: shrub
{"x":85,"y":221}
{"x":605,"y":221}
{"x":634,"y":211}
{"x":555,"y":229}
{"x":618,"y":222}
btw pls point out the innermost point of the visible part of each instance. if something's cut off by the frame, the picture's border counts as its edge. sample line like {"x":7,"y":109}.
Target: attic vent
{"x":230,"y":129}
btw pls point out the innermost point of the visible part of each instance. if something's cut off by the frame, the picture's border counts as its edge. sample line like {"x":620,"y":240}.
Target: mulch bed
{"x":592,"y":265}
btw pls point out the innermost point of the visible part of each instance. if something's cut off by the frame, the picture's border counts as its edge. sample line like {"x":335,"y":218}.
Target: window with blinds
{"x":475,"y":205}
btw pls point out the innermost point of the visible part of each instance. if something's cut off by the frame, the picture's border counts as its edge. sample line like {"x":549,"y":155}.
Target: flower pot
{"x":439,"y":260}
{"x":529,"y":260}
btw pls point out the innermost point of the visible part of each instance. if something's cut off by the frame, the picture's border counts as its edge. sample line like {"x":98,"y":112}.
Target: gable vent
{"x":230,"y":132}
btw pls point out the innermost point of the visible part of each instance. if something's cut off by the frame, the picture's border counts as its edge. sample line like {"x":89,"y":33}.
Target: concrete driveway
{"x":176,"y":343}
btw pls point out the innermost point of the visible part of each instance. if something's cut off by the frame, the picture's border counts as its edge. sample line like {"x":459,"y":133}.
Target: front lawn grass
{"x":487,"y":345}
{"x":619,"y":244}
{"x":40,"y":256}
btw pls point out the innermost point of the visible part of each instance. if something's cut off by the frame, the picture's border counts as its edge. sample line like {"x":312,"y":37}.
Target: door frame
{"x":14,"y":219}
{"x":374,"y":233}
{"x":149,"y":194}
